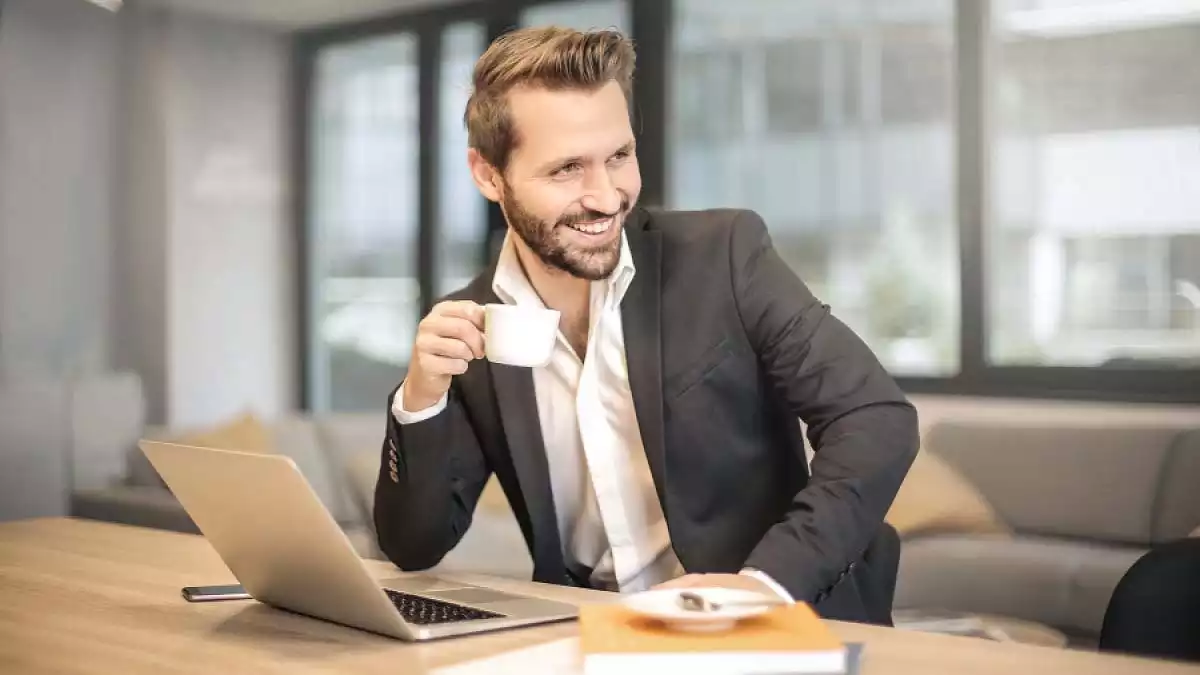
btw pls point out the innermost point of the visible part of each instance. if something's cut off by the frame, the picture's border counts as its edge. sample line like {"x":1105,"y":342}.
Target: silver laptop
{"x":285,"y":548}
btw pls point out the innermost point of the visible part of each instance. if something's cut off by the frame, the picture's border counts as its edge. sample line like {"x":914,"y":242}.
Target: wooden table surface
{"x":85,"y":597}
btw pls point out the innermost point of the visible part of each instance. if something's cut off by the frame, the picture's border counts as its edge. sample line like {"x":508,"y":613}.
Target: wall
{"x":143,"y":223}
{"x":58,"y":79}
{"x":230,"y":324}
{"x":143,"y":227}
{"x":58,"y":92}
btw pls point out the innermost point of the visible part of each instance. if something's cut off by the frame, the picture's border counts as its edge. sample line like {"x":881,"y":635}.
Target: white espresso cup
{"x":519,"y":336}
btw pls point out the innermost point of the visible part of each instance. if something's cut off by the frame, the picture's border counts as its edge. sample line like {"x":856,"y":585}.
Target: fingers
{"x":444,"y":365}
{"x":462,"y":309}
{"x":459,"y":320}
{"x":459,"y":329}
{"x":448,"y":339}
{"x":454,"y":348}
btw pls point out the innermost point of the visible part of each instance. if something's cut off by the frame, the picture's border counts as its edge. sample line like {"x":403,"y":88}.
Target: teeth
{"x":593,"y":228}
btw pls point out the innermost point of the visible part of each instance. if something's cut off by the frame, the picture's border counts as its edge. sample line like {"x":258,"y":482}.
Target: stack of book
{"x":615,"y":640}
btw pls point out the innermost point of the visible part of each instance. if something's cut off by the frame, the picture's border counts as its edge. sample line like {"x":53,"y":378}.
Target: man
{"x":661,"y":445}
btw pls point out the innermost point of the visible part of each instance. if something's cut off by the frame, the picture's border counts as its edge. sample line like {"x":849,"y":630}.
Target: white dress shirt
{"x":609,"y":516}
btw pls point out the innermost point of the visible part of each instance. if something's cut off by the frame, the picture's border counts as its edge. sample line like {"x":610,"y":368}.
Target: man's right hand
{"x":448,"y":338}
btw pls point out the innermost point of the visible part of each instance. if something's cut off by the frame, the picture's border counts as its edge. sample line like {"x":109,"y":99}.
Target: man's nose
{"x":602,"y":195}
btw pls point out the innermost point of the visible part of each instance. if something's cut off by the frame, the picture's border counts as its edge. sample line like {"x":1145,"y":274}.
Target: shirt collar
{"x":512,"y":286}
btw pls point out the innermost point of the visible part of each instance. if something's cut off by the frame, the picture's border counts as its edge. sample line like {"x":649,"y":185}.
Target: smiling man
{"x":662,"y":444}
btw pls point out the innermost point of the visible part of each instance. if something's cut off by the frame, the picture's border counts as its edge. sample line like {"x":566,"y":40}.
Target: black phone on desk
{"x":215,"y":593}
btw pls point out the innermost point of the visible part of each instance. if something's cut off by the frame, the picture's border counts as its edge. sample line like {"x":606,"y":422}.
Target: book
{"x":615,"y":640}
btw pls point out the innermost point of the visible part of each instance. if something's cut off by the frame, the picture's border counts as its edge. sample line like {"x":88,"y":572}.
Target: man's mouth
{"x":594,"y":227}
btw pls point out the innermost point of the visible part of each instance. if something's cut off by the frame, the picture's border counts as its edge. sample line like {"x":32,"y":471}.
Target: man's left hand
{"x":741,"y":582}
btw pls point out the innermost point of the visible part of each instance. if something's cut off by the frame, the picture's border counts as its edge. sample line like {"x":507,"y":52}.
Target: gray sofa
{"x":1083,"y":502}
{"x":320,"y":446}
{"x":1084,"y":493}
{"x":339,"y":456}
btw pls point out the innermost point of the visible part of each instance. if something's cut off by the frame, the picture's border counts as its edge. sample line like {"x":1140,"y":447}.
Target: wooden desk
{"x":85,"y":597}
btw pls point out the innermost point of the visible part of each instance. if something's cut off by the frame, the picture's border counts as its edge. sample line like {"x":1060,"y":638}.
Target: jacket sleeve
{"x":430,"y":477}
{"x":862,"y":428}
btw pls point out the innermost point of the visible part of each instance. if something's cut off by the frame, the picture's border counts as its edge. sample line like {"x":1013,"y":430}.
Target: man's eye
{"x":567,"y":168}
{"x":621,"y":155}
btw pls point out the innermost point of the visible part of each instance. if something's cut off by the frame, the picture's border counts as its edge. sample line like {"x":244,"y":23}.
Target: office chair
{"x":878,"y":584}
{"x":1155,"y":608}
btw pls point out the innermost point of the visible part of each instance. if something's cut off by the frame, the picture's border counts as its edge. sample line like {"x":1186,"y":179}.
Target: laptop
{"x":268,"y":525}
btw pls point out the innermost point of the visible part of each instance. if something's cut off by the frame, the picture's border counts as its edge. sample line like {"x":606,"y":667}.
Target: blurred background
{"x":216,"y":210}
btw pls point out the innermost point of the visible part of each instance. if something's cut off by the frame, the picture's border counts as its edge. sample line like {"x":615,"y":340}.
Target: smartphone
{"x":215,"y":593}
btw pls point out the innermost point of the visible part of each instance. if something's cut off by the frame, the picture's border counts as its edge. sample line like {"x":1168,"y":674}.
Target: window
{"x":1094,"y":241}
{"x":1001,"y":197}
{"x":585,"y":15}
{"x":835,"y":123}
{"x":363,"y":231}
{"x":462,"y":209}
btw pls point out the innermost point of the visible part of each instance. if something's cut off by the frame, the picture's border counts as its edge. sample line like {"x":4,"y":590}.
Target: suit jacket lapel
{"x":517,"y":403}
{"x":641,"y":319}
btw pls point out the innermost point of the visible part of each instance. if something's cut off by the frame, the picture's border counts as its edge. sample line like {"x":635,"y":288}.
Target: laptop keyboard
{"x":421,"y":610}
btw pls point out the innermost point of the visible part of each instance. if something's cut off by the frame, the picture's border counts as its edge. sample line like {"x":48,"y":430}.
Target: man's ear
{"x":486,"y":177}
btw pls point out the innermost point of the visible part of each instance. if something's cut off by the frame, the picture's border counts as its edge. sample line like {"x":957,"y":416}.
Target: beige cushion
{"x":935,"y":498}
{"x":1195,"y":533}
{"x":246,"y":432}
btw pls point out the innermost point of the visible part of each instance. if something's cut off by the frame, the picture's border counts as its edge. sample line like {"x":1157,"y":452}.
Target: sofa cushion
{"x":935,"y":498}
{"x":344,"y":437}
{"x":1177,"y":510}
{"x":297,"y":437}
{"x":1061,"y":583}
{"x":362,"y":473}
{"x":1075,"y":481}
{"x":245,"y":432}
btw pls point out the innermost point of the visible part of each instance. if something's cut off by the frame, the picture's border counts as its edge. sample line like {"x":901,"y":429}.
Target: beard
{"x":547,"y":243}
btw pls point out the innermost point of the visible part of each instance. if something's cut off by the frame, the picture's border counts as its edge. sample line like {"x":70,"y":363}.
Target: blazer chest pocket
{"x":698,"y":370}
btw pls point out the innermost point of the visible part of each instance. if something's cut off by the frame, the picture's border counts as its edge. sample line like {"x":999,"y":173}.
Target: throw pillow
{"x":935,"y":498}
{"x":245,"y":432}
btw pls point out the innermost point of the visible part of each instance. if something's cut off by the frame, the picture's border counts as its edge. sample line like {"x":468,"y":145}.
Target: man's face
{"x":572,"y":178}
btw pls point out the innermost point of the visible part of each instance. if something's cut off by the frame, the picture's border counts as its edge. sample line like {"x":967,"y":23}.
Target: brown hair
{"x":551,"y":57}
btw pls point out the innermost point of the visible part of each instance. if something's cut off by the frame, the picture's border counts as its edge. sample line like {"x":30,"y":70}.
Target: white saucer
{"x":663,"y":605}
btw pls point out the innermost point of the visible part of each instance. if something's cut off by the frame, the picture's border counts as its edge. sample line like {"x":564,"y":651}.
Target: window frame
{"x":651,"y":22}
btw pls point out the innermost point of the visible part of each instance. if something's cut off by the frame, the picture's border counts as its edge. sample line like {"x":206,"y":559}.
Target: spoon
{"x":694,"y":602}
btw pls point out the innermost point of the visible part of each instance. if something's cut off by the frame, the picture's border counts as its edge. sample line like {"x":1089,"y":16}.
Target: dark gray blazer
{"x":726,"y":348}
